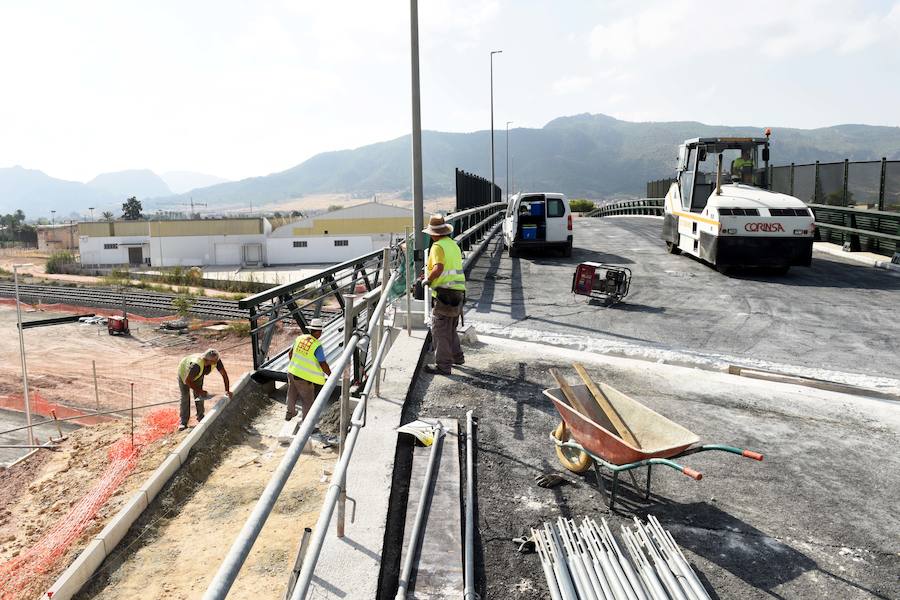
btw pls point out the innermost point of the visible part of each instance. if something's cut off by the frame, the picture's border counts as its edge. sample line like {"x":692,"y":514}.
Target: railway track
{"x":134,"y":300}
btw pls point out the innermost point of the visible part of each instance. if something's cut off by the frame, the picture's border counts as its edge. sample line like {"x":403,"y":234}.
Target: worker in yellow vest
{"x":739,"y":165}
{"x":445,"y":277}
{"x":191,"y":371}
{"x":307,"y":369}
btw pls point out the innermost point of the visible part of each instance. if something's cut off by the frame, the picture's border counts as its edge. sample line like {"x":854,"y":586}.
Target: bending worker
{"x":445,"y":277}
{"x":191,"y":371}
{"x":307,"y":369}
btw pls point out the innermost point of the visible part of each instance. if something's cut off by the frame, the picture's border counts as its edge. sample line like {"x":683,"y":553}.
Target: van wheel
{"x":513,"y":251}
{"x":781,"y":270}
{"x":567,"y":251}
{"x":672,"y":248}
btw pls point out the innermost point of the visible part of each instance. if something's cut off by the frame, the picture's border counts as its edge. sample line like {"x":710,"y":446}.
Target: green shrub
{"x":239,"y":328}
{"x":581,"y":205}
{"x":182,"y":304}
{"x":61,"y":262}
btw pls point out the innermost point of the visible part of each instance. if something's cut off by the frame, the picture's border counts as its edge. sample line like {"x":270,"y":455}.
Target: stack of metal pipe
{"x":585,"y":562}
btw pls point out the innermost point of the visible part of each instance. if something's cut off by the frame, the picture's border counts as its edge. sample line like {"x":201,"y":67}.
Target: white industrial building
{"x":329,"y":238}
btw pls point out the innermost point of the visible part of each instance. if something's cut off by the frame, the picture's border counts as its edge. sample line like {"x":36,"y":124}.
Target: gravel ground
{"x":815,"y":520}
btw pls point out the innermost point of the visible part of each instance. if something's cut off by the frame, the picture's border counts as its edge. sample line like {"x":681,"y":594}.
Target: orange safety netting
{"x":43,"y":556}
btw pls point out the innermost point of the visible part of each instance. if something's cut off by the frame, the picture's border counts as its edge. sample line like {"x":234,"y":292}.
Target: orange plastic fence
{"x":46,"y":553}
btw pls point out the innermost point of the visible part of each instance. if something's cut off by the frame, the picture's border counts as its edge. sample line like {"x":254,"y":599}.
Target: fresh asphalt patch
{"x":834,"y":315}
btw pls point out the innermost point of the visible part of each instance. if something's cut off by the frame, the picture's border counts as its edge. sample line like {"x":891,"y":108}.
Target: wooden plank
{"x":566,"y":389}
{"x":606,"y":406}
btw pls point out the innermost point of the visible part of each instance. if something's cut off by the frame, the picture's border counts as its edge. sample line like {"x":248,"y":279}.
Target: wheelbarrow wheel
{"x":574,"y":460}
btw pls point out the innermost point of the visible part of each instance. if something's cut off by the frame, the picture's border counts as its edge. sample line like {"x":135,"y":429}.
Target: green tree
{"x":107,"y":214}
{"x":131,"y":209}
{"x":581,"y":206}
{"x":334,"y":207}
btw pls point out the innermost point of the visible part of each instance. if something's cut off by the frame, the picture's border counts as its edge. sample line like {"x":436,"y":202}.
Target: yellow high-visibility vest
{"x":303,"y":360}
{"x":184,"y":367}
{"x":452,"y":277}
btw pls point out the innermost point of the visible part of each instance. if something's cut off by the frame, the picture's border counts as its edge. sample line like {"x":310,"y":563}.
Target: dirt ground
{"x":816,"y":519}
{"x":38,"y":492}
{"x":60,"y":358}
{"x":177,"y":545}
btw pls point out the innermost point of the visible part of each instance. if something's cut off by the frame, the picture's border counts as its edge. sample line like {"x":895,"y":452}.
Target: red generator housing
{"x":609,"y":283}
{"x":117,"y":325}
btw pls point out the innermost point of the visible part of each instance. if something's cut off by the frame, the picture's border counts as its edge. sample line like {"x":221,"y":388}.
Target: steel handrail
{"x":334,"y":490}
{"x":240,"y":549}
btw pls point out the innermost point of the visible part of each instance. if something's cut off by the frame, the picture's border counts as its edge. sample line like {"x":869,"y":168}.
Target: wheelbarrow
{"x":585,"y":440}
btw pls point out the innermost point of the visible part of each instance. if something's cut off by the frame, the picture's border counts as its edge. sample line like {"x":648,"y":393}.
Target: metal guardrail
{"x":286,"y":302}
{"x":305,"y":299}
{"x":870,"y":230}
{"x":644,"y":206}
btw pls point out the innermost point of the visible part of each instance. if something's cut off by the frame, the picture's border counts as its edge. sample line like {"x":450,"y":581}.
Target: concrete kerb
{"x":350,"y":567}
{"x":89,"y":560}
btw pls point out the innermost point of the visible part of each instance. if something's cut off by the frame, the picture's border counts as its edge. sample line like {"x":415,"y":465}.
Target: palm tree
{"x":107,"y":215}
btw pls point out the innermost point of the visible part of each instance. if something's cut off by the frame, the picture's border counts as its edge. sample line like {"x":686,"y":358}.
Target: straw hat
{"x":316,"y":324}
{"x":437,"y":226}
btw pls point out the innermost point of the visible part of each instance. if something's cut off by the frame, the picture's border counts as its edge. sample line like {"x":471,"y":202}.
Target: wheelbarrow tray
{"x":658,"y":436}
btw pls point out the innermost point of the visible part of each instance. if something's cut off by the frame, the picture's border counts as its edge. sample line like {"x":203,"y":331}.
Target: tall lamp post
{"x":91,"y":208}
{"x":493,"y":52}
{"x":53,"y":217}
{"x":417,"y":189}
{"x":507,"y":161}
{"x":16,"y":268}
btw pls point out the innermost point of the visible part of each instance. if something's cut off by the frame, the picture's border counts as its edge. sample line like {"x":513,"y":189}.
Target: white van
{"x":538,"y":221}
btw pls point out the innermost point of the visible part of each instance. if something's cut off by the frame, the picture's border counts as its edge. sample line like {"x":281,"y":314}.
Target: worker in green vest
{"x":738,"y":165}
{"x":307,"y":369}
{"x":445,"y":277}
{"x":191,"y":371}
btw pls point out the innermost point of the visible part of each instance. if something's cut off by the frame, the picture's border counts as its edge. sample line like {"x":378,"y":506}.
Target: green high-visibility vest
{"x":739,"y":163}
{"x":184,"y":367}
{"x":452,"y":277}
{"x":303,"y":360}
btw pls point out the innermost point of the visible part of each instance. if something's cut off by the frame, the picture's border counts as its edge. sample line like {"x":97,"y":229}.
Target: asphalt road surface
{"x":815,"y":519}
{"x":833,"y":315}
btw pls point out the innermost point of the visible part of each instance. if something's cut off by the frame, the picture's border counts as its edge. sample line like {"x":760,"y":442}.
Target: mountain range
{"x":587,"y":155}
{"x":37,"y":193}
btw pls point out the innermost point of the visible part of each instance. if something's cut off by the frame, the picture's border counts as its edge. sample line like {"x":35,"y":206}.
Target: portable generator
{"x":608,"y":283}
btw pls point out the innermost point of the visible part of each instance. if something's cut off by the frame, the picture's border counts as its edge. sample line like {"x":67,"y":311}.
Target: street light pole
{"x":91,"y":208}
{"x":16,"y":268}
{"x":417,"y":189}
{"x":53,"y":217}
{"x":493,"y":52}
{"x":507,"y":161}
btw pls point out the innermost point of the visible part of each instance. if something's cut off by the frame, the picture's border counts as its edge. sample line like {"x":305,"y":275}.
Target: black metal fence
{"x":473,"y":191}
{"x":659,"y":188}
{"x":868,"y":185}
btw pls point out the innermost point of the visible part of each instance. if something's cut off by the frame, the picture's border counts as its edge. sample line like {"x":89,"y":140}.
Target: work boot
{"x":200,"y":409}
{"x":460,"y":361}
{"x":435,"y":370}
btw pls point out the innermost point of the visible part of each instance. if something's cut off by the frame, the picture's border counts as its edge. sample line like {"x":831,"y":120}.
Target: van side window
{"x":555,"y":207}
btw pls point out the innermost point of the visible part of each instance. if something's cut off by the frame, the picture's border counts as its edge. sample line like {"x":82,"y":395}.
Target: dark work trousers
{"x":185,"y":408}
{"x":446,"y":342}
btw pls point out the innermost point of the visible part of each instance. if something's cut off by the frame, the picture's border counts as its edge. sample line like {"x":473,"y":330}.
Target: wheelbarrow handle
{"x":695,"y":475}
{"x":732,"y":449}
{"x":752,"y":454}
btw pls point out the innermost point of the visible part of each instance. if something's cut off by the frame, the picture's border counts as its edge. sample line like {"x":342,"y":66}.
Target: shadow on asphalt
{"x":824,"y":273}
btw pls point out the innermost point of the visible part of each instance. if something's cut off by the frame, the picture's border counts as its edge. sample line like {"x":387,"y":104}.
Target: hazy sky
{"x":236,"y":88}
